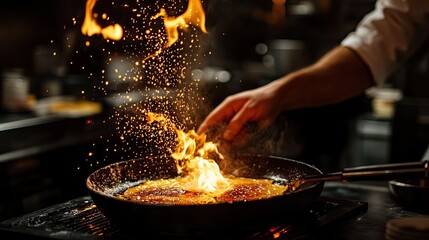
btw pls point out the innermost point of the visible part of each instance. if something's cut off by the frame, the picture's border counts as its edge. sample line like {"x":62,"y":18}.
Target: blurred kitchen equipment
{"x":285,"y":55}
{"x":49,"y":68}
{"x":412,"y":193}
{"x":15,"y":92}
{"x":408,"y":228}
{"x":66,"y":106}
{"x":384,"y":100}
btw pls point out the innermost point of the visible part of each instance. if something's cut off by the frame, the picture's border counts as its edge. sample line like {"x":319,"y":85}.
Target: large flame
{"x":90,"y":26}
{"x":192,"y":157}
{"x":194,"y":15}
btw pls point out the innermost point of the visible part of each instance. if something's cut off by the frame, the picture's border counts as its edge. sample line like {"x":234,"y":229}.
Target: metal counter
{"x":26,"y":134}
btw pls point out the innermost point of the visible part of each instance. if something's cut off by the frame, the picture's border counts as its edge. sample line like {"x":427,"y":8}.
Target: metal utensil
{"x":371,"y":172}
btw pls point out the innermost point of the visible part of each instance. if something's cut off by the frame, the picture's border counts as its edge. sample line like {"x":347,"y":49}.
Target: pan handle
{"x":375,"y":172}
{"x":387,"y":171}
{"x":389,"y":166}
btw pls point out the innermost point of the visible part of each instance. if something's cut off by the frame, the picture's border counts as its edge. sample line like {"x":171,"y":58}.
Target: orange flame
{"x":194,"y":15}
{"x":202,"y":172}
{"x":191,"y":155}
{"x":90,"y":26}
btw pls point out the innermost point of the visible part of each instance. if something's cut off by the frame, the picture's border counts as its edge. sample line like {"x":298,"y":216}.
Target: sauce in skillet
{"x":173,"y":191}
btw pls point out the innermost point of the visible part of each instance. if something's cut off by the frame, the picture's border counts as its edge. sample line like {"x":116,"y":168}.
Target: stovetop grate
{"x":90,"y":221}
{"x":80,"y":219}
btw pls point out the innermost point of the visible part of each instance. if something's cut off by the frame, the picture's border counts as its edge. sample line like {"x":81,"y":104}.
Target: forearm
{"x":337,"y":76}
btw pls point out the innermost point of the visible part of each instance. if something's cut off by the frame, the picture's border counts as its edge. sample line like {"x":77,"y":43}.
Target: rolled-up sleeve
{"x":389,"y":34}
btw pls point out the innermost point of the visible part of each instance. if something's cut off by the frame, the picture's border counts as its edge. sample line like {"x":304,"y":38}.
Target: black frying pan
{"x":104,"y":183}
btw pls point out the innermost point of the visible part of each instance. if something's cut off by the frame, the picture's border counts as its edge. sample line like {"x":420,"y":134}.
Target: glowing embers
{"x":147,"y":71}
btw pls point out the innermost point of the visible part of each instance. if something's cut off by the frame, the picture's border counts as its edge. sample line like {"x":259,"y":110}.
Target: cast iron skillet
{"x":105,"y":182}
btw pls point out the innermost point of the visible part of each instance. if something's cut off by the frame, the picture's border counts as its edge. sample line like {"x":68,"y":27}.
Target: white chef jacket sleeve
{"x":389,"y":34}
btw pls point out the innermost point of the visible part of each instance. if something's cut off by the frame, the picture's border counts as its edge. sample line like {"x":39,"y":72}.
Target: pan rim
{"x":408,"y":185}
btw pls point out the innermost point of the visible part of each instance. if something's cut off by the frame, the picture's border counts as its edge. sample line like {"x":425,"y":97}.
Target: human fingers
{"x":264,"y":123}
{"x":240,"y":140}
{"x":252,"y":116}
{"x":224,"y":111}
{"x":214,"y":117}
{"x":235,"y":126}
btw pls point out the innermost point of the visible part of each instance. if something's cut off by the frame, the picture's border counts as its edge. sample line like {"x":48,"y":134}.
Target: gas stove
{"x":80,"y":219}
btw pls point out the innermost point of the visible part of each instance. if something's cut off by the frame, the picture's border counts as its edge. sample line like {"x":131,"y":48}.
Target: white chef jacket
{"x":389,"y":34}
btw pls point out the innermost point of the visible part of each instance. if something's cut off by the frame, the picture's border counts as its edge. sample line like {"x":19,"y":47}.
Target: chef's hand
{"x":259,"y":106}
{"x":338,"y":75}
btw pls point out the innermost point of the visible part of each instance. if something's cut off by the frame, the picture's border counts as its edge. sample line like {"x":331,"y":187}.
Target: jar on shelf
{"x":15,"y":94}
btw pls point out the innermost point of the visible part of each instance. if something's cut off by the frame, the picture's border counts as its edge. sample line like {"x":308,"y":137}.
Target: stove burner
{"x":80,"y":219}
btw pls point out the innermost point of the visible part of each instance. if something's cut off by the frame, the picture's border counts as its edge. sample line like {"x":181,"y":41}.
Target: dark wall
{"x":25,"y":24}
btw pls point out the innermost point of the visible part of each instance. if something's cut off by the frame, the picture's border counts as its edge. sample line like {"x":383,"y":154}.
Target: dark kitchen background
{"x":45,"y":156}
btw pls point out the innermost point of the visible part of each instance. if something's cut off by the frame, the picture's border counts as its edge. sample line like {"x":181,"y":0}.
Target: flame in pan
{"x":192,"y":158}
